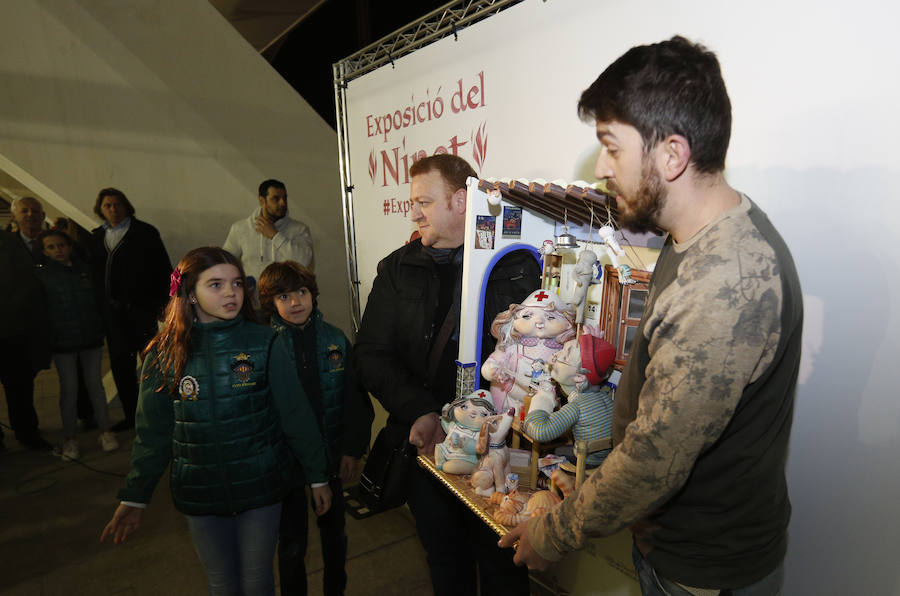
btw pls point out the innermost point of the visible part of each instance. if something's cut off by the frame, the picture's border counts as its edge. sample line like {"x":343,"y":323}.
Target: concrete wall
{"x":164,"y":100}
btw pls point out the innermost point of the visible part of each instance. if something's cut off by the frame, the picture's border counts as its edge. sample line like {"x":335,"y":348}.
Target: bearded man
{"x":703,"y":412}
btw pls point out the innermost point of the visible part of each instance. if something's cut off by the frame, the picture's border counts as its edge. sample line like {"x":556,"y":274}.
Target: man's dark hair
{"x":267,"y":184}
{"x":671,"y":87}
{"x":454,"y":170}
{"x":49,"y":233}
{"x":112,"y":192}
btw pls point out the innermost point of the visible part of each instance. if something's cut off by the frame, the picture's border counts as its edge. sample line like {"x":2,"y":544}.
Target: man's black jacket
{"x":398,"y":328}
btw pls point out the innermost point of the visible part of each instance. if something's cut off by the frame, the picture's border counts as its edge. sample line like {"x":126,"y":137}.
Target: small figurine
{"x":514,"y":510}
{"x":493,"y":467}
{"x":527,"y":333}
{"x":608,"y":235}
{"x":580,"y":370}
{"x":584,"y":274}
{"x":462,"y":421}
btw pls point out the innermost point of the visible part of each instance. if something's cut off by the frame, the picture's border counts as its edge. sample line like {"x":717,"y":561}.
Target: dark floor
{"x":52,"y":513}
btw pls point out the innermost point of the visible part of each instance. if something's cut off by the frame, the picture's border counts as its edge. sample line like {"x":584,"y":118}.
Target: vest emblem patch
{"x":188,"y":388}
{"x":335,"y":358}
{"x":242,"y":367}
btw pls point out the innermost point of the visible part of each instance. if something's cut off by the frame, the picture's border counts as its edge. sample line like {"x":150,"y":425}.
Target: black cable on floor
{"x":51,"y":482}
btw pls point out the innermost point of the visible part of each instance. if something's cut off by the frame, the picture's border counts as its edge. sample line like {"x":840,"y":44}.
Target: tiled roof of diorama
{"x":569,"y":203}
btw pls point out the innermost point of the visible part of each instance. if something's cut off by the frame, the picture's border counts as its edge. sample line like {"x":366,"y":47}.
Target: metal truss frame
{"x":439,"y":23}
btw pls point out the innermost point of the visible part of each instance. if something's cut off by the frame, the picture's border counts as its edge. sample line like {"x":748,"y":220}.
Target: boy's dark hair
{"x":48,"y":233}
{"x":112,"y":192}
{"x":671,"y":87}
{"x":266,"y":184}
{"x":283,"y":278}
{"x":454,"y":170}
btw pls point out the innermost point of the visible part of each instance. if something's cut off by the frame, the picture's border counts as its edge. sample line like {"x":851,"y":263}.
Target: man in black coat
{"x":408,"y":364}
{"x":131,"y":269}
{"x":24,"y":347}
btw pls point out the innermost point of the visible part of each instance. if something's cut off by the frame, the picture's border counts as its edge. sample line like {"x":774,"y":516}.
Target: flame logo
{"x":479,"y":145}
{"x":373,"y":165}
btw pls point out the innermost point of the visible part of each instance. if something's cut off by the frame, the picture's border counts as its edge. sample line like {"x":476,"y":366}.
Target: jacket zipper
{"x":212,"y":409}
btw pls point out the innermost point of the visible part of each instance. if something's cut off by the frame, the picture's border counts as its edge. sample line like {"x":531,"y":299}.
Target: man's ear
{"x":262,"y":201}
{"x":579,"y":378}
{"x":458,"y":200}
{"x":675,"y":155}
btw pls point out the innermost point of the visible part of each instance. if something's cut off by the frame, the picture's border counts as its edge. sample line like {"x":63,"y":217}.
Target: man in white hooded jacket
{"x":269,"y":235}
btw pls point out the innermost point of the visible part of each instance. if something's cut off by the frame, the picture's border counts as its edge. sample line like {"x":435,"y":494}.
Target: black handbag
{"x":382,"y":485}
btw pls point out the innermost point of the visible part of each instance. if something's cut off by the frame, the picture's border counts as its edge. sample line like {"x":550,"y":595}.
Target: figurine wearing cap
{"x":580,"y":370}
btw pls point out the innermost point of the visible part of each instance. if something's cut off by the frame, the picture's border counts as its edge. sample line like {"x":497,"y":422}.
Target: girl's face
{"x":537,"y":322}
{"x":219,"y":294}
{"x":58,"y":249}
{"x":295,"y":307}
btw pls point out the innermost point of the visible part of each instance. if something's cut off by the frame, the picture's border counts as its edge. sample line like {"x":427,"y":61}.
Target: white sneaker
{"x":70,"y":450}
{"x":108,"y":441}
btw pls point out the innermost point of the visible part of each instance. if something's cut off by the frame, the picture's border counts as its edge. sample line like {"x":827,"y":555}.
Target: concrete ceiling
{"x":264,"y":22}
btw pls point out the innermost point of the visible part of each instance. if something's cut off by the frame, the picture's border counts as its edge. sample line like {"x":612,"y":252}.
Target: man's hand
{"x":349,"y":468}
{"x":264,"y":226}
{"x":426,"y":432}
{"x":525,"y":554}
{"x":322,"y":499}
{"x":124,"y":521}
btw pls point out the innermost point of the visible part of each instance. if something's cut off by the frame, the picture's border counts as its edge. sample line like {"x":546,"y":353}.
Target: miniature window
{"x":622,"y":309}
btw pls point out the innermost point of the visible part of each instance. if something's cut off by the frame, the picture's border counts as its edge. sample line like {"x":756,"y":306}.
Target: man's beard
{"x":642,"y":210}
{"x":274,"y":216}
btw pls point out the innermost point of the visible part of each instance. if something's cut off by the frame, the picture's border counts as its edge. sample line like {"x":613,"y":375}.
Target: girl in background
{"x":220,"y":399}
{"x":77,"y":337}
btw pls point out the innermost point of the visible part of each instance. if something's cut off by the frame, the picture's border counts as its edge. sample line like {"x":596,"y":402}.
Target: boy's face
{"x":295,"y":307}
{"x":566,"y":363}
{"x":58,"y":249}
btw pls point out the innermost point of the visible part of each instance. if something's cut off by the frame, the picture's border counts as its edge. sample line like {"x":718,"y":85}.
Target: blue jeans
{"x":653,"y":584}
{"x":67,"y":368}
{"x":237,"y":552}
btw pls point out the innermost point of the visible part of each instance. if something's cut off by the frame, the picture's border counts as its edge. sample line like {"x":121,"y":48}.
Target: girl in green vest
{"x":220,"y":399}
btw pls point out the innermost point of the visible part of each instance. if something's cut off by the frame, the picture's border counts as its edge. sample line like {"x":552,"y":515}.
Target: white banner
{"x":814,"y":92}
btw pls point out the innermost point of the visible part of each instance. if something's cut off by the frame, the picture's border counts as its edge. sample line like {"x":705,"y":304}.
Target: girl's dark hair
{"x":112,"y":192}
{"x":48,"y":233}
{"x":282,"y":278}
{"x":173,"y":342}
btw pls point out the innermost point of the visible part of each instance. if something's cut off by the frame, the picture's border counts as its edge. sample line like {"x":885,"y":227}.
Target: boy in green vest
{"x":288,"y":295}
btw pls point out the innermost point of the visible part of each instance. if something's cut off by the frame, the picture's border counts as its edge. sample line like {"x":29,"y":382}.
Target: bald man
{"x":23,"y":319}
{"x":28,"y":213}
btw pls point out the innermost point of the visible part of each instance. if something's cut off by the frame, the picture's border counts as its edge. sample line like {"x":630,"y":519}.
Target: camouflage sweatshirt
{"x":702,"y":415}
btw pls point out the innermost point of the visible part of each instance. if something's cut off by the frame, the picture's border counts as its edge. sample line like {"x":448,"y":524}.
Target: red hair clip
{"x":174,"y":282}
